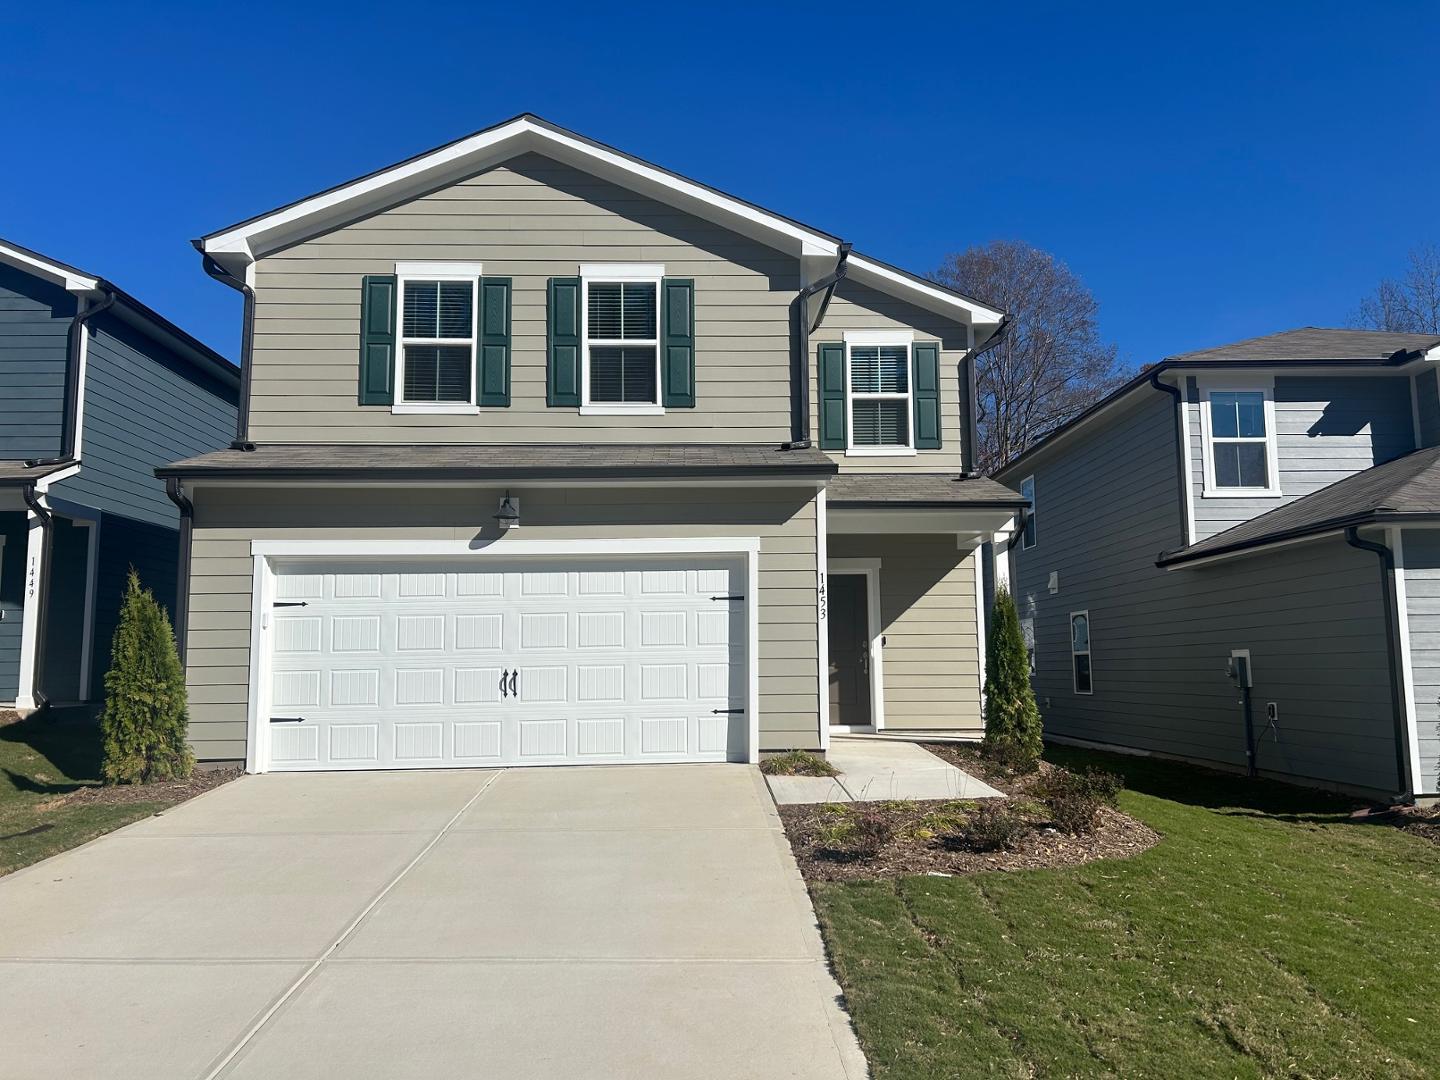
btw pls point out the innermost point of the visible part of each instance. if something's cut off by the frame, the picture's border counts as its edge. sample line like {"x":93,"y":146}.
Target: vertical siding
{"x":1312,"y":616}
{"x":34,"y":320}
{"x":927,"y":606}
{"x":1327,"y":428}
{"x":14,"y":529}
{"x":1427,"y":406}
{"x":65,"y":612}
{"x":857,"y":307}
{"x":1422,"y":598}
{"x":153,"y":550}
{"x":220,"y":598}
{"x":530,"y":220}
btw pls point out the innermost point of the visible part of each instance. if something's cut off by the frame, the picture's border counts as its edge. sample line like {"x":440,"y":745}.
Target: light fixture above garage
{"x":509,"y":514}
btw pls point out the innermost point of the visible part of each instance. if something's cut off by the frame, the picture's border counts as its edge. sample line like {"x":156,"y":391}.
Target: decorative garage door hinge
{"x":291,"y":603}
{"x":721,"y":712}
{"x":727,"y":598}
{"x":287,"y":719}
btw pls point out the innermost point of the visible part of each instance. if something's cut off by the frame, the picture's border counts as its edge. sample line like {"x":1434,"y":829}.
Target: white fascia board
{"x":909,"y":521}
{"x":482,"y":150}
{"x":932,"y":297}
{"x":60,"y":275}
{"x":504,"y":547}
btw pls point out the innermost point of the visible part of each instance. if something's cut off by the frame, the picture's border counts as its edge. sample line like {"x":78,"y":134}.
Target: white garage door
{"x":424,"y":665}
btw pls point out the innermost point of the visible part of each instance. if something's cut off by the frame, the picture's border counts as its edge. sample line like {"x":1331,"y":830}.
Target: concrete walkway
{"x":873,"y":770}
{"x":598,"y":922}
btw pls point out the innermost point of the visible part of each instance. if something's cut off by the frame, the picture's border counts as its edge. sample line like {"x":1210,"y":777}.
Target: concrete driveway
{"x":598,"y":922}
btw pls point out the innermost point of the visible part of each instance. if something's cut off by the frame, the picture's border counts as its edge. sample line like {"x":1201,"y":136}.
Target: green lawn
{"x":40,"y":761}
{"x":1267,"y":935}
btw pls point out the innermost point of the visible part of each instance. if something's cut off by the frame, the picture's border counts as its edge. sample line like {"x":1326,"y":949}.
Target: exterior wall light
{"x":509,"y":514}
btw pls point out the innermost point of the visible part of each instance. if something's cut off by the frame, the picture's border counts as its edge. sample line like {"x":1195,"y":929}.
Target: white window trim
{"x":869,"y":569}
{"x":1089,"y":651}
{"x":1030,"y":514}
{"x":621,"y":272}
{"x":435,"y":271}
{"x":866,"y":338}
{"x":1266,"y":387}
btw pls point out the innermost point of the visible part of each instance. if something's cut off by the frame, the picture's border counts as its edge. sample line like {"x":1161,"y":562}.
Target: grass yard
{"x":1268,"y":934}
{"x":50,"y":796}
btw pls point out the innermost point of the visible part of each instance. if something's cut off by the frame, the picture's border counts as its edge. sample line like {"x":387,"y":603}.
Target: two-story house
{"x":553,"y":456}
{"x":1233,"y":559}
{"x":96,"y":390}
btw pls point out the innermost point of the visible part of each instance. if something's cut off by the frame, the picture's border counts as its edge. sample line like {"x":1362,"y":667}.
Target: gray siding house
{"x":1231,"y":560}
{"x":96,"y":390}
{"x":553,"y":456}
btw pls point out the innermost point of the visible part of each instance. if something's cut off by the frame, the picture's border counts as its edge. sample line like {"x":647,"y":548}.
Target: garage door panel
{"x":421,"y":666}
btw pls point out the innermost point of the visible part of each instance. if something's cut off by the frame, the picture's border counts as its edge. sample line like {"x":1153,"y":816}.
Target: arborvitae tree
{"x":1012,"y":719}
{"x":145,"y":718}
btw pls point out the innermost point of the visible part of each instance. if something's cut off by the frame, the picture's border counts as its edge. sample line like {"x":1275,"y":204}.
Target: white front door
{"x":428,"y":665}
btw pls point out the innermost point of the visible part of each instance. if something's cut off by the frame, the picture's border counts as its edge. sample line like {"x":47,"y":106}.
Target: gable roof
{"x":133,"y":311}
{"x":1406,"y":488}
{"x":237,"y":245}
{"x":1312,"y":345}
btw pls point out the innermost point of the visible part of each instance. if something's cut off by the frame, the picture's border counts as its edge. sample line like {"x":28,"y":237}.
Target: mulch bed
{"x":927,"y":837}
{"x":166,"y":791}
{"x":1423,"y":822}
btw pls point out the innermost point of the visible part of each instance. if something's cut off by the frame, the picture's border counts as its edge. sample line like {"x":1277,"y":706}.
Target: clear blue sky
{"x":1212,"y":173}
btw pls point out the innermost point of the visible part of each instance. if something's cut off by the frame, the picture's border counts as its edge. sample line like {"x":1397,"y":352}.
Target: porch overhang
{"x":919,"y":504}
{"x":917,"y":521}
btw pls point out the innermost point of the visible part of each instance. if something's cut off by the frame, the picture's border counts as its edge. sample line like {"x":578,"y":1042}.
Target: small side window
{"x":1080,"y":651}
{"x":1027,"y":490}
{"x":1027,"y":632}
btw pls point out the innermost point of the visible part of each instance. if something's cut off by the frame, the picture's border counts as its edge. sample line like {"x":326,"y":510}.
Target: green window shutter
{"x":492,"y":366}
{"x":925,"y":390}
{"x":832,"y":395}
{"x":677,"y":343}
{"x":562,"y":363}
{"x":377,"y":339}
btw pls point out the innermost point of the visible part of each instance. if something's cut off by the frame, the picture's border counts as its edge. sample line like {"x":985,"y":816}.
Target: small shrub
{"x":1012,"y":718}
{"x":1075,"y":798}
{"x":856,"y":832}
{"x":144,"y":722}
{"x":797,"y":763}
{"x":1010,"y":758}
{"x":994,"y":827}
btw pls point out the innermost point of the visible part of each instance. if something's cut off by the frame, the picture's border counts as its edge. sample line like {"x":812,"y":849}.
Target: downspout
{"x":175,"y":490}
{"x":971,"y":449}
{"x":69,"y":420}
{"x":1183,"y":466}
{"x":247,"y":340}
{"x":800,"y":366}
{"x":42,"y":587}
{"x":1392,"y":630}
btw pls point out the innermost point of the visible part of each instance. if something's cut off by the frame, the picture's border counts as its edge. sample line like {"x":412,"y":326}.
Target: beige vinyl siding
{"x":927,"y":608}
{"x":529,"y":220}
{"x":858,"y":307}
{"x":226,"y":521}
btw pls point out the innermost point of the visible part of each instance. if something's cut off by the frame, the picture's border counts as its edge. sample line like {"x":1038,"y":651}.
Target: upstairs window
{"x":437,"y":336}
{"x":1080,"y":651}
{"x":1240,"y":442}
{"x":1027,"y":491}
{"x":878,"y":393}
{"x":621,"y":312}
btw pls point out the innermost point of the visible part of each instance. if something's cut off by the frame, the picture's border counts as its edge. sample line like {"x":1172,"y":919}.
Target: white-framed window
{"x":1027,"y":634}
{"x":879,"y":413}
{"x":1238,"y":426}
{"x":620,"y":337}
{"x":438,"y":305}
{"x":1027,"y":491}
{"x":1080,"y":652}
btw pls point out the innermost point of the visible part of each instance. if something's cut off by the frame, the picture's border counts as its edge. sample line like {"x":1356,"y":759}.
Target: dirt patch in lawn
{"x":855,"y":841}
{"x":166,"y":791}
{"x":1421,"y":821}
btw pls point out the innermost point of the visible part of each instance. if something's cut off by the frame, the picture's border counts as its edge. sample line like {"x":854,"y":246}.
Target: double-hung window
{"x":1080,"y":651}
{"x":882,"y":418}
{"x":620,"y":311}
{"x":1027,"y":491}
{"x":1239,"y":428}
{"x":438,"y":304}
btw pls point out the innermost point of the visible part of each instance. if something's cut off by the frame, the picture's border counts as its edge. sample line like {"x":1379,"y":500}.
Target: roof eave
{"x":1175,"y":559}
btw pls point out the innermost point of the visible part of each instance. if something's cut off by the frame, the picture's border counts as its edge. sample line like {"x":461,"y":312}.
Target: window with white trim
{"x":881,"y":417}
{"x":1027,"y":492}
{"x":438,"y":306}
{"x":1239,"y":427}
{"x":1080,"y":652}
{"x":621,"y":334}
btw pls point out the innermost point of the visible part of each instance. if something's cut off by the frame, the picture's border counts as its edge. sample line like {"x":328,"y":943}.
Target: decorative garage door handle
{"x":515,"y":683}
{"x":504,"y":675}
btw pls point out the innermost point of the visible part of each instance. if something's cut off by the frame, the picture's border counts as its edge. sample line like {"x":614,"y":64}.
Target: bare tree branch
{"x":1052,"y":362}
{"x":1409,"y":305}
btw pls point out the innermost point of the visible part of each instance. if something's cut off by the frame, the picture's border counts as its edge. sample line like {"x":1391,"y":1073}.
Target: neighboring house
{"x":1232,"y":515}
{"x":558,"y":457}
{"x":95,"y":391}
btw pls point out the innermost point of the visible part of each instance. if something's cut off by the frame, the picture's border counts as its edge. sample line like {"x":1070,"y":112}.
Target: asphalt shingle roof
{"x":17,"y":472}
{"x":550,"y":460}
{"x":938,"y":490}
{"x":1317,"y":343}
{"x":1406,"y":485}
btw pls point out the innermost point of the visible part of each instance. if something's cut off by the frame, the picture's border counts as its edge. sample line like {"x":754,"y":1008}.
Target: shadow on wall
{"x":1347,"y":418}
